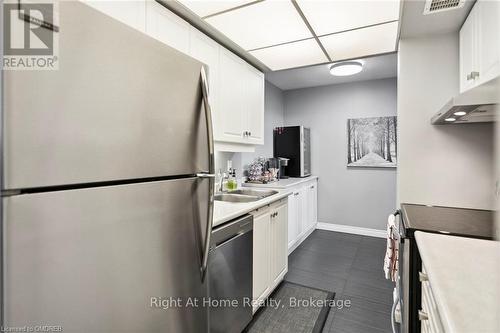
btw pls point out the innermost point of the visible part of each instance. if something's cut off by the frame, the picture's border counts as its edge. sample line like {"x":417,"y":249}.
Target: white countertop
{"x":464,"y":274}
{"x":283,"y":183}
{"x":225,"y":211}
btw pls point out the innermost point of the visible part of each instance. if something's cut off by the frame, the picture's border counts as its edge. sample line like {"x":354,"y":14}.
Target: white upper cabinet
{"x":236,"y":89}
{"x":167,"y":27}
{"x":479,"y":40}
{"x":241,"y":101}
{"x":132,"y":13}
{"x":206,"y":50}
{"x":231,"y":109}
{"x":467,"y":50}
{"x":489,"y":39}
{"x":254,"y":102}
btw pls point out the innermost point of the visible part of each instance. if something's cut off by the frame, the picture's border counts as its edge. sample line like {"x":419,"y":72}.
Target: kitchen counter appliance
{"x":103,"y":215}
{"x":230,"y":275}
{"x":294,"y":143}
{"x":473,"y":223}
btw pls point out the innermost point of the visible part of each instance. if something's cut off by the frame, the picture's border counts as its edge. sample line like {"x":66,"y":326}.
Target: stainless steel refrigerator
{"x":107,"y":193}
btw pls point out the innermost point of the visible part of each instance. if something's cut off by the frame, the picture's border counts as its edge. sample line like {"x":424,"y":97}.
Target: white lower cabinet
{"x":294,"y":207}
{"x":430,"y":319}
{"x":312,"y":204}
{"x":279,"y":254}
{"x":302,"y":213}
{"x":261,"y":253}
{"x":270,"y":259}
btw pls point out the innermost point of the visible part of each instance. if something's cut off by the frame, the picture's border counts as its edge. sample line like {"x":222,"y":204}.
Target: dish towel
{"x":392,"y":252}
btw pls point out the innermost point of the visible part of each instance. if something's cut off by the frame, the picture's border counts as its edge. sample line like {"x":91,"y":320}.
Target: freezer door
{"x":121,"y":105}
{"x":90,"y":260}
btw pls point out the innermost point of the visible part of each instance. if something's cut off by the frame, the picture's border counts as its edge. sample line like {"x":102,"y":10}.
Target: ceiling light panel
{"x":296,"y":54}
{"x":362,"y":42}
{"x":205,"y":8}
{"x":327,"y":17}
{"x":261,"y":24}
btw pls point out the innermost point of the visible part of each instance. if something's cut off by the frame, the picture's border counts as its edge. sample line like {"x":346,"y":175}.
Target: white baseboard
{"x":352,"y":230}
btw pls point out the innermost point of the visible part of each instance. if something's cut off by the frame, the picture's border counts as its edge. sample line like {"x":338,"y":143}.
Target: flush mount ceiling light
{"x":346,"y":68}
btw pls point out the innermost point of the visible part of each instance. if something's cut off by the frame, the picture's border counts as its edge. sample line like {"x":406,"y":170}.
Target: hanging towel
{"x":392,"y":252}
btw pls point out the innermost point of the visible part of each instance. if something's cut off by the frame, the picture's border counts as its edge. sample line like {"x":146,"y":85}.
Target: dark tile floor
{"x":350,"y":266}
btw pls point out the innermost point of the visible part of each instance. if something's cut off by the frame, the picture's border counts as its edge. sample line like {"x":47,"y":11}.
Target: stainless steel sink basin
{"x":235,"y":197}
{"x":244,"y":195}
{"x":255,"y":193}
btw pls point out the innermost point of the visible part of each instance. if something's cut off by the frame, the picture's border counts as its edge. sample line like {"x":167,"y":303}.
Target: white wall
{"x":448,"y":165}
{"x":350,"y":196}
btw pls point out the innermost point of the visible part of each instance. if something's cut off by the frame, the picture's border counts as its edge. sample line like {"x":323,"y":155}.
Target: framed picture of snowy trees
{"x":372,"y":142}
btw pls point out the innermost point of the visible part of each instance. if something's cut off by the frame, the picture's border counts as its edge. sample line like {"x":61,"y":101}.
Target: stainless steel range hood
{"x":478,"y":105}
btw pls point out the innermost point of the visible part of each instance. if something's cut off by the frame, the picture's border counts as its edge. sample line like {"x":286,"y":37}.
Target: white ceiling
{"x":262,"y":24}
{"x":327,"y":17}
{"x":306,"y":52}
{"x":415,"y":24}
{"x":361,"y":42}
{"x":295,"y":33}
{"x":377,"y":67}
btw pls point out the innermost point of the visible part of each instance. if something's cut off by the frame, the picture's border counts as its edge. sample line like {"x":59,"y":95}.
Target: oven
{"x":408,"y":284}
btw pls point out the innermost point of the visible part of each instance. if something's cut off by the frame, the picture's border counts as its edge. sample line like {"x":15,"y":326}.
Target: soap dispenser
{"x":232,"y":184}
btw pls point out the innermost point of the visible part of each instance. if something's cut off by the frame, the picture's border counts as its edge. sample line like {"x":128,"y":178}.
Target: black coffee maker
{"x":283,"y":162}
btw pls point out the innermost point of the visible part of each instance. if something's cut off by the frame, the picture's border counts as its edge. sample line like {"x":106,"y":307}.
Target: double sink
{"x":244,"y":195}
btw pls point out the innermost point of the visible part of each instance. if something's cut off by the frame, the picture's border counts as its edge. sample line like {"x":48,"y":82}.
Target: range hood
{"x":477,"y":105}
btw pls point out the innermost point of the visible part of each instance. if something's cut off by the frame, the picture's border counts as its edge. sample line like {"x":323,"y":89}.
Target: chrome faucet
{"x":222,"y":176}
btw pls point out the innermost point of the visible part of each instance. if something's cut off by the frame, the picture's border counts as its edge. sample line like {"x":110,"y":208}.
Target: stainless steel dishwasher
{"x":230,"y":275}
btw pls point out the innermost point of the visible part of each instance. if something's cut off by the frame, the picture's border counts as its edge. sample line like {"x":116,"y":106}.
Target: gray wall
{"x":439,"y":165}
{"x":273,"y":117}
{"x":358,"y":197}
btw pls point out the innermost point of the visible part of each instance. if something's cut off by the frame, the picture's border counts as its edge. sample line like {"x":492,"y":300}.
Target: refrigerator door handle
{"x":208,"y":117}
{"x":210,"y":174}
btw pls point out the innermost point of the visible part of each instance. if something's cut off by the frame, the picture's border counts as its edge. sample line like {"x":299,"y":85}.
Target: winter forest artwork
{"x":372,"y":142}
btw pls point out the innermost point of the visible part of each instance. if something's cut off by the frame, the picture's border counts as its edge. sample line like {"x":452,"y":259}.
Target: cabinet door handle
{"x":249,"y":133}
{"x":422,"y":315}
{"x":422,"y":277}
{"x":312,"y":186}
{"x":472,"y":75}
{"x":296,"y":194}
